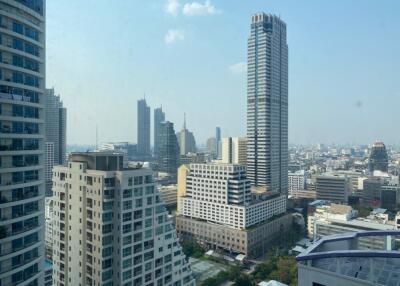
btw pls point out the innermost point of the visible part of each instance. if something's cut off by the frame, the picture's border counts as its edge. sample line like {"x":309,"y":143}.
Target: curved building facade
{"x":22,"y":84}
{"x":378,"y":159}
{"x":341,"y":259}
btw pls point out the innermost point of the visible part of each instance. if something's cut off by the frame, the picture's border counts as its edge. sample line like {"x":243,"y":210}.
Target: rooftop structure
{"x":328,"y":219}
{"x":338,"y":260}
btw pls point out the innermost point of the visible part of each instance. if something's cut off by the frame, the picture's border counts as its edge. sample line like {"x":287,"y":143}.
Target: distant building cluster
{"x":117,"y":215}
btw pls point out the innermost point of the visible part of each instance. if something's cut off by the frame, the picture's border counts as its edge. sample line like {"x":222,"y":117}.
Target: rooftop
{"x":340,"y":254}
{"x":102,"y":161}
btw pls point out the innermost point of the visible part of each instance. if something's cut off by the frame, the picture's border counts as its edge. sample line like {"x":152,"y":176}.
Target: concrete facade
{"x":111,"y":226}
{"x":267,"y":103}
{"x":252,"y":242}
{"x":234,"y":150}
{"x":335,"y":188}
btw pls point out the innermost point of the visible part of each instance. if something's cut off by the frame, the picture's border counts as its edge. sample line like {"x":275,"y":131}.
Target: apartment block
{"x":111,"y":226}
{"x":297,"y":181}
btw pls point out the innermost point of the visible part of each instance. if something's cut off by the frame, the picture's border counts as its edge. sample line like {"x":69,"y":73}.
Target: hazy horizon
{"x":343,"y":66}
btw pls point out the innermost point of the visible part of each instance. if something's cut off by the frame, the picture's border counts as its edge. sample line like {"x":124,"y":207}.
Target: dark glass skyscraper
{"x":55,"y":135}
{"x":378,"y":159}
{"x":143,"y":128}
{"x":218,"y":141}
{"x":267,"y":103}
{"x":159,"y":116}
{"x":168,"y":159}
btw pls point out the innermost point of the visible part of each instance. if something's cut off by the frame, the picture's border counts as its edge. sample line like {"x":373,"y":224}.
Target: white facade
{"x":111,"y":227}
{"x":49,"y":227}
{"x":169,"y":194}
{"x":297,"y":181}
{"x":234,"y":150}
{"x":220,"y":193}
{"x":337,"y":219}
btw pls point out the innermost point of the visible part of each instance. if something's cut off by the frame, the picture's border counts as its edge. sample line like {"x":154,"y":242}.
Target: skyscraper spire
{"x":184,"y":121}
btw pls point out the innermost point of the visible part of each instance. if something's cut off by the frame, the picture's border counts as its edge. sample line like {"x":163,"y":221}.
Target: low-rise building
{"x":381,"y":192}
{"x":333,"y":187}
{"x":328,"y":219}
{"x":169,"y":194}
{"x":297,"y":181}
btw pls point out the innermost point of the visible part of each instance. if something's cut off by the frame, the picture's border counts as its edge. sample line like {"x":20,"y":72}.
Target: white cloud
{"x":196,"y":8}
{"x":238,"y":68}
{"x":173,"y":36}
{"x":172,"y":7}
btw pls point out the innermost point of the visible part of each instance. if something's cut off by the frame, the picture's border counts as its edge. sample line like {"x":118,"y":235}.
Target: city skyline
{"x":221,"y":79}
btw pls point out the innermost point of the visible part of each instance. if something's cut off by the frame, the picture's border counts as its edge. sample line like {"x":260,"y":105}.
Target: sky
{"x":190,"y":57}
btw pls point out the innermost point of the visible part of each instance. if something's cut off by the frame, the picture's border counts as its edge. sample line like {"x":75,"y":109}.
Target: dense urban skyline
{"x":330,"y":62}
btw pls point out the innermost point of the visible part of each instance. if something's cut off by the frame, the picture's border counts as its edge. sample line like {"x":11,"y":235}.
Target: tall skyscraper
{"x":168,"y":160}
{"x":218,"y":141}
{"x":56,"y":135}
{"x":111,"y":226}
{"x":233,"y":150}
{"x":267,"y":103}
{"x":186,"y":141}
{"x":22,"y":86}
{"x":159,"y":116}
{"x":143,"y":128}
{"x":378,"y":159}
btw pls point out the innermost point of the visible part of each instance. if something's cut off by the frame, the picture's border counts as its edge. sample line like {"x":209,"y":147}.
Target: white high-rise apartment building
{"x":49,"y":227}
{"x":267,"y":103}
{"x":220,"y":193}
{"x":234,"y":150}
{"x":22,"y":85}
{"x":111,"y":226}
{"x":297,"y":181}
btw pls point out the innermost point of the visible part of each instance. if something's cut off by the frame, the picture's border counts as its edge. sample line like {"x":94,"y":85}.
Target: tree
{"x":192,"y":249}
{"x":286,"y":270}
{"x":243,"y":280}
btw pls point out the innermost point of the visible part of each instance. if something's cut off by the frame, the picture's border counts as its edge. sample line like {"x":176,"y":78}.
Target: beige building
{"x":234,"y":150}
{"x":111,"y":226}
{"x":169,"y":194}
{"x":252,"y":242}
{"x":217,"y":207}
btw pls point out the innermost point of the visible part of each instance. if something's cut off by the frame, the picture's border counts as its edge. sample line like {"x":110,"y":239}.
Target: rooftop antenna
{"x":184,"y":121}
{"x":97,"y":138}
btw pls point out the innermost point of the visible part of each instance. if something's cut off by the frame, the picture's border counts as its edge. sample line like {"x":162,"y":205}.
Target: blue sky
{"x":189,"y":56}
